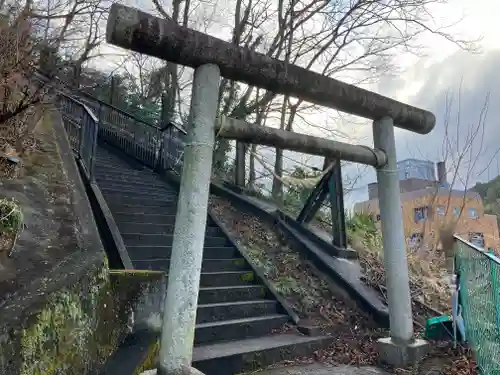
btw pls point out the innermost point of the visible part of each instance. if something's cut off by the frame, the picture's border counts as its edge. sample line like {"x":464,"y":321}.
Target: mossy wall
{"x":62,"y":312}
{"x":79,"y":326}
{"x":150,"y":359}
{"x":75,"y":331}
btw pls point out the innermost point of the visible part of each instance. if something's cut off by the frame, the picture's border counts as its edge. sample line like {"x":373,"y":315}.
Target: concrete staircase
{"x":237,"y":317}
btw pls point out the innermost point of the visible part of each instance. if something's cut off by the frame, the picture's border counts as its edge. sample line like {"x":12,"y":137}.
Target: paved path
{"x":320,"y":369}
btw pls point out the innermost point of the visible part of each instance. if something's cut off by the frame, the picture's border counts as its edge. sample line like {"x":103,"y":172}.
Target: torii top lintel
{"x":135,"y":30}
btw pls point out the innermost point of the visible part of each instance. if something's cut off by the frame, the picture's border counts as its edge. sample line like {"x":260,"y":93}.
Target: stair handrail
{"x":82,"y":127}
{"x":80,"y":122}
{"x":79,"y":91}
{"x":154,"y":145}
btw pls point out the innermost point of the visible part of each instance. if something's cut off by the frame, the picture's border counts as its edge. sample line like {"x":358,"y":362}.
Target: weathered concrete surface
{"x":60,"y":311}
{"x":187,"y":371}
{"x":322,"y":369}
{"x":244,"y":131}
{"x":141,"y":32}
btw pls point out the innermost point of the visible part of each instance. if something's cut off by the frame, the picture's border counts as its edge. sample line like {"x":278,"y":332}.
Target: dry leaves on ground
{"x":310,"y":296}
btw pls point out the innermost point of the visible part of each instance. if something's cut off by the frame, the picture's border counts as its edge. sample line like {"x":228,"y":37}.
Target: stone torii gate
{"x":212,"y":58}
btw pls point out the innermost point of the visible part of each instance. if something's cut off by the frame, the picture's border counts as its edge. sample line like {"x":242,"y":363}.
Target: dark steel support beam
{"x":337,"y":207}
{"x":239,"y":173}
{"x":315,"y":199}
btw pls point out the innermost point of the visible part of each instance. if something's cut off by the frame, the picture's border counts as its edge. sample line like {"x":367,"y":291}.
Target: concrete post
{"x":395,"y":349}
{"x":179,"y":314}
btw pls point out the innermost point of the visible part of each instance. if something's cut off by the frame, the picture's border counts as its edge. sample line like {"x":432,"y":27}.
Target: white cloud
{"x":423,"y":81}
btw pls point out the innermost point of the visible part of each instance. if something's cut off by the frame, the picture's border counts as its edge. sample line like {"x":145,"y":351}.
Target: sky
{"x":447,"y":81}
{"x":463,"y":80}
{"x":445,"y":74}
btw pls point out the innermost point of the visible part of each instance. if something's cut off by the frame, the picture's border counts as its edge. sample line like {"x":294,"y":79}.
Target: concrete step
{"x":232,"y":293}
{"x":132,"y":207}
{"x":136,"y":239}
{"x":108,"y":162}
{"x":113,"y":166}
{"x":125,"y":187}
{"x":216,"y":312}
{"x":147,"y":228}
{"x":137,"y":196}
{"x":213,"y":279}
{"x":103,"y":174}
{"x":249,"y":354}
{"x":142,"y":227}
{"x":146,"y":252}
{"x":117,"y":170}
{"x":141,"y":206}
{"x":227,"y":278}
{"x":118,"y":199}
{"x":159,"y":218}
{"x":138,"y":184}
{"x":208,"y":265}
{"x":235,"y":329}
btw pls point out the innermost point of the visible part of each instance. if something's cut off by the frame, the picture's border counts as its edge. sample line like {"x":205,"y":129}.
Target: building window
{"x":441,"y":210}
{"x":415,"y":240}
{"x":476,"y":238}
{"x":378,"y":217}
{"x":420,"y":214}
{"x":456,"y":211}
{"x":473,"y":213}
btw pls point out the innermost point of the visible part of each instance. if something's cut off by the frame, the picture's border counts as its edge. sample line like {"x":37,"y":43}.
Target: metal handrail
{"x":111,"y":106}
{"x":82,"y":128}
{"x":152,"y":145}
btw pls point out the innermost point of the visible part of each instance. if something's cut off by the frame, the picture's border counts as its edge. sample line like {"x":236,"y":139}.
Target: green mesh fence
{"x":479,"y":283}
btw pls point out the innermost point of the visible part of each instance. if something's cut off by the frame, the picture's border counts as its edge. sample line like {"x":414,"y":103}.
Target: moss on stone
{"x":81,"y":325}
{"x":65,"y":336}
{"x":150,"y":359}
{"x":247,"y":276}
{"x":239,"y":262}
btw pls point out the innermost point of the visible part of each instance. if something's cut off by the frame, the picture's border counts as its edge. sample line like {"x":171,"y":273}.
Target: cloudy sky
{"x":461,"y":88}
{"x":454,"y":84}
{"x":457,"y":86}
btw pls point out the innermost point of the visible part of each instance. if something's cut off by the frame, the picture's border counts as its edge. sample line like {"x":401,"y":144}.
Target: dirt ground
{"x":313,"y":299}
{"x":44,"y":194}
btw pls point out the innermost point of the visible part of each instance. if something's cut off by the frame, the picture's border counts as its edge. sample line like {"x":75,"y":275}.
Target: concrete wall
{"x":411,"y":184}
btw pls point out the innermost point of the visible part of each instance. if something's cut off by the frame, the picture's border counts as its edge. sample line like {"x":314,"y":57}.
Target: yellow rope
{"x":288,"y":181}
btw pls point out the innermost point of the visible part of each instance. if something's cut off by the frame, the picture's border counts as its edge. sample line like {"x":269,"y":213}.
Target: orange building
{"x":428,"y":206}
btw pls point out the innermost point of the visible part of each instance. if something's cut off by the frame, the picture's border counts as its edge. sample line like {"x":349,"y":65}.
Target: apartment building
{"x":429,"y":203}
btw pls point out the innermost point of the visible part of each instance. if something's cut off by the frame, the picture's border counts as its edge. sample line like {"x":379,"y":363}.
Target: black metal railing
{"x":82,"y":127}
{"x":152,"y":145}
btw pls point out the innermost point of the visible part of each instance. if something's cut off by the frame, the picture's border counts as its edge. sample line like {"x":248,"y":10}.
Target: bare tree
{"x":357,"y":40}
{"x":463,"y":151}
{"x":20,"y":99}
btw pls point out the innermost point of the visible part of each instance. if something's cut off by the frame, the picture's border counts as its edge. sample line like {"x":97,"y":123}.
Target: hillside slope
{"x":490,"y":192}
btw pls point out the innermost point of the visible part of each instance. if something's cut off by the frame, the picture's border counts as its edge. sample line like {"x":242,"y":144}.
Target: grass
{"x":11,"y":224}
{"x":11,"y":216}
